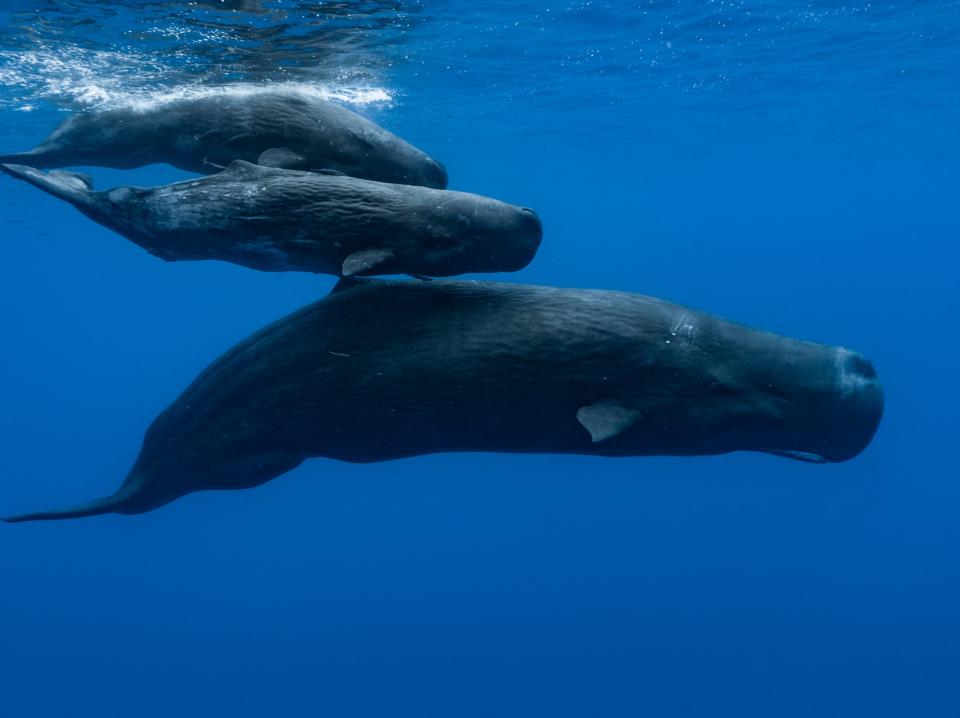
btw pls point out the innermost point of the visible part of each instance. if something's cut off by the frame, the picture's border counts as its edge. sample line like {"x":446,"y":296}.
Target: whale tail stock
{"x":114,"y":503}
{"x":73,"y":187}
{"x":34,"y":158}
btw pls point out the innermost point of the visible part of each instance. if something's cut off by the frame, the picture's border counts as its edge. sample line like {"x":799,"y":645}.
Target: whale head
{"x":796,"y":399}
{"x":480,"y":235}
{"x":836,"y":416}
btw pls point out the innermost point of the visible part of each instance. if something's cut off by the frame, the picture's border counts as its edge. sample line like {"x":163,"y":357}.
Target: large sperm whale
{"x":385,"y":369}
{"x":204,"y":134}
{"x":281,"y":220}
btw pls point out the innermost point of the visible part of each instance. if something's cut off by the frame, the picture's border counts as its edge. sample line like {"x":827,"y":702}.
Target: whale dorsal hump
{"x":366,"y":261}
{"x":606,"y":419}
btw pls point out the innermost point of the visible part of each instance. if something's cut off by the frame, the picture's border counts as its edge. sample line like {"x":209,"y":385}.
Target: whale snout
{"x":436,"y":175}
{"x":861,"y":404}
{"x":526,"y":238}
{"x":836,"y":416}
{"x":501,"y":238}
{"x":851,"y":421}
{"x":532,"y":227}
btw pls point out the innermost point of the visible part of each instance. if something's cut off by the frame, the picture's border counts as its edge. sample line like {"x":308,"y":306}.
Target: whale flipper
{"x":606,"y":419}
{"x":366,"y":261}
{"x":282,"y":158}
{"x":106,"y":505}
{"x":74,"y":187}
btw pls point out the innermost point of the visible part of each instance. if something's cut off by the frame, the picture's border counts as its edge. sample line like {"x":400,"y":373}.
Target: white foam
{"x":70,"y":75}
{"x":344,"y":94}
{"x":75,"y":77}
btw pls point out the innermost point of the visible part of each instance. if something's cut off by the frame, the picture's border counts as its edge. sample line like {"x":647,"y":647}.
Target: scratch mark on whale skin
{"x":682,"y":332}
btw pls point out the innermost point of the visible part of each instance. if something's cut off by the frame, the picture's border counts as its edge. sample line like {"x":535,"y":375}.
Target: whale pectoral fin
{"x":331,"y":173}
{"x":282,"y":158}
{"x":606,"y":419}
{"x":366,"y":261}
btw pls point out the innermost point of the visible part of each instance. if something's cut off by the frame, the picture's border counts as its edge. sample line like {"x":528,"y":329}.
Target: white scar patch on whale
{"x":683,"y":331}
{"x":850,"y":381}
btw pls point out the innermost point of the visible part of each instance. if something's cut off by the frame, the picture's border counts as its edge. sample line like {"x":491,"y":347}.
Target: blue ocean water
{"x":789,"y":165}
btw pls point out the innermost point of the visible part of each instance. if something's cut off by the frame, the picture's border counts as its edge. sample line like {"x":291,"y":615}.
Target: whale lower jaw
{"x":806,"y":456}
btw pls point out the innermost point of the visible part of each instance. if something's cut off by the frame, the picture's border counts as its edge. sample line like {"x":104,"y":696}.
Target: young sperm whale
{"x":385,"y":369}
{"x":286,"y":220}
{"x":204,"y":134}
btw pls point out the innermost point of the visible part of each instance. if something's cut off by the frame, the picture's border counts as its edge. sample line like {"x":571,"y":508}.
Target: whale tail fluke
{"x":73,"y":187}
{"x":107,"y":505}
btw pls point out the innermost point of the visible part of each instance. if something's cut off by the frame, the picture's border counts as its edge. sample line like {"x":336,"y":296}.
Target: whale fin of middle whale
{"x":366,"y":261}
{"x":74,"y":187}
{"x":606,"y":419}
{"x":282,"y":158}
{"x":106,"y":505}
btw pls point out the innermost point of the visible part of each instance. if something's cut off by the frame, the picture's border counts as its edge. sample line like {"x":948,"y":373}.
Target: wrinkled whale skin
{"x":287,"y":220}
{"x":204,"y":134}
{"x":386,"y":369}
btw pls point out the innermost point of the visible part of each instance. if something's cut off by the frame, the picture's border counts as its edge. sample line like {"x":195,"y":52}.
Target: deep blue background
{"x":464,"y":585}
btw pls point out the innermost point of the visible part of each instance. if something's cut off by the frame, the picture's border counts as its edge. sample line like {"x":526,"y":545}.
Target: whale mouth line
{"x":805,"y":456}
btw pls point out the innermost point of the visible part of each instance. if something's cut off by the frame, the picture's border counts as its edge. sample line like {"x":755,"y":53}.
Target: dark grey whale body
{"x":382,"y":370}
{"x":286,"y":220}
{"x":279,"y":128}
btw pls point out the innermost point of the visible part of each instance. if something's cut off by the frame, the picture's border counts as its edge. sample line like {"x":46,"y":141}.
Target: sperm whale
{"x":386,"y":369}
